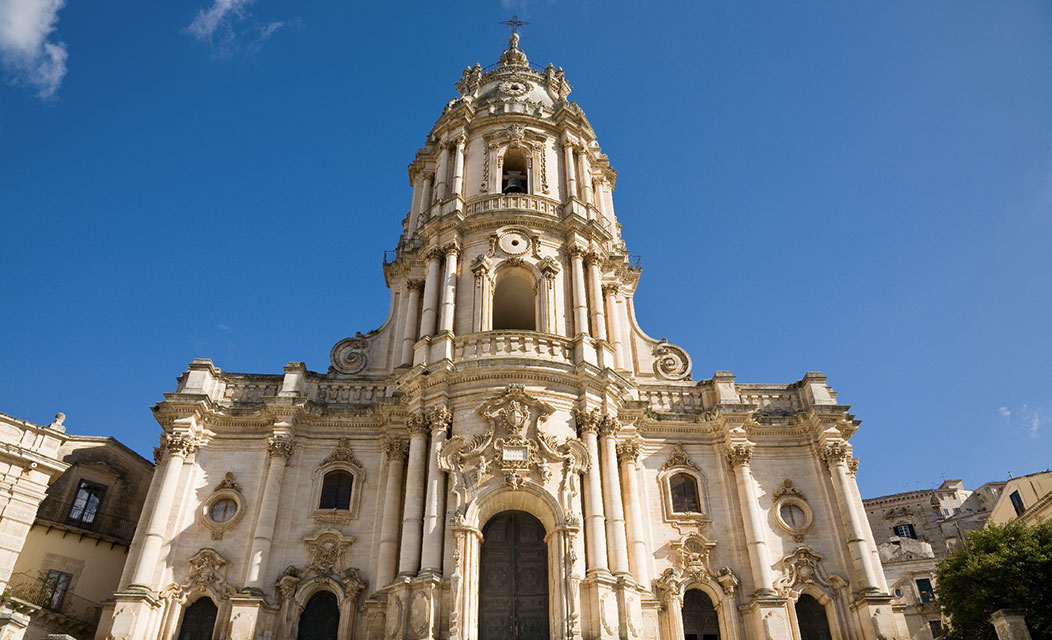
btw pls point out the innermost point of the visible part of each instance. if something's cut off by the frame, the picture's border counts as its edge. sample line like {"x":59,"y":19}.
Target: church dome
{"x":514,"y":80}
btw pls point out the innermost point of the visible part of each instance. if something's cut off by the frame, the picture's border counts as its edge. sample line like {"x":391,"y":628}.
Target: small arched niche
{"x":515,"y":301}
{"x":514,"y":176}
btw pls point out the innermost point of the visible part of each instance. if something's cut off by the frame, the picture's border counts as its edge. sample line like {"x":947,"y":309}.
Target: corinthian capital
{"x":280,"y":446}
{"x":180,"y":444}
{"x":739,"y":454}
{"x":439,"y":417}
{"x":836,"y":453}
{"x":611,"y":289}
{"x":587,"y":421}
{"x":418,"y":285}
{"x":393,"y":447}
{"x":593,"y":257}
{"x":451,"y":249}
{"x":417,"y":424}
{"x":609,"y":426}
{"x":628,"y":451}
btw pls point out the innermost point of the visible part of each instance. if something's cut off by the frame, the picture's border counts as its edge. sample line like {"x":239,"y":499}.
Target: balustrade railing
{"x":511,"y":343}
{"x":47,"y":594}
{"x":100,"y":523}
{"x":512,"y":202}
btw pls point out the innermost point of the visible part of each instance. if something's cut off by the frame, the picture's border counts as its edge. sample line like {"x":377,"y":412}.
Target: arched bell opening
{"x":320,"y":619}
{"x":700,"y":619}
{"x":514,"y":173}
{"x":513,"y":579}
{"x":199,"y":620}
{"x":515,"y":301}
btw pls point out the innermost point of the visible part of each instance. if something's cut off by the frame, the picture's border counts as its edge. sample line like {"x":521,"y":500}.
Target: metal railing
{"x":96,"y":522}
{"x":41,"y":592}
{"x":636,"y":262}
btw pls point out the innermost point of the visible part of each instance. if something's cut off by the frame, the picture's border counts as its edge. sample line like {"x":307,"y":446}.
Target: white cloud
{"x":223,"y":327}
{"x":26,"y":52}
{"x":1028,"y":418}
{"x":1005,"y":413}
{"x":228,"y":25}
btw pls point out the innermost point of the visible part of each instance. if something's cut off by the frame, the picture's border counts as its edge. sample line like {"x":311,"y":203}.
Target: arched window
{"x":336,"y":490}
{"x":514,"y":302}
{"x":320,"y":619}
{"x":811,"y":616}
{"x":700,"y":621}
{"x":684,"y":491}
{"x":514,"y":177}
{"x":199,"y":620}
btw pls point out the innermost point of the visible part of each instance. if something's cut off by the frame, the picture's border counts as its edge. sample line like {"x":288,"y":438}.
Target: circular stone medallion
{"x":514,"y":243}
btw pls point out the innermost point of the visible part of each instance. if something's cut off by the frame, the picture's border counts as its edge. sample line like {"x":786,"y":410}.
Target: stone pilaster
{"x":594,"y":259}
{"x":438,"y":420}
{"x":279,"y":448}
{"x":594,"y":517}
{"x":580,"y":301}
{"x":409,"y":329}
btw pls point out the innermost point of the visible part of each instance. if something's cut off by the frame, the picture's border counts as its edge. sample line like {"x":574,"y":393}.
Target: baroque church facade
{"x":509,"y":456}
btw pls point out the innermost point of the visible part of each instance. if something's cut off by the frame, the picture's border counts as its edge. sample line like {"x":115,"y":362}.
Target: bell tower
{"x":512,"y":229}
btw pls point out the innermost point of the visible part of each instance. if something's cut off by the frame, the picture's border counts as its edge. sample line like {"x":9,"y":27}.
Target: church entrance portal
{"x":199,"y":620}
{"x":700,"y":621}
{"x":513,"y":575}
{"x":320,"y":618}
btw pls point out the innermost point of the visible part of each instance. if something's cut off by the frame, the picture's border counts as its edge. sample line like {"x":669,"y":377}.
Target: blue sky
{"x":863,"y":189}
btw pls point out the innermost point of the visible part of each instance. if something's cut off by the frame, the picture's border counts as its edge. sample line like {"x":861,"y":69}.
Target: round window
{"x":794,"y":516}
{"x":222,"y":510}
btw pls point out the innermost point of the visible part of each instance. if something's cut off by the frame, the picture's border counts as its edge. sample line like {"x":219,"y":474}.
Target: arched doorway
{"x":320,"y":618}
{"x":700,"y":621}
{"x":199,"y":620}
{"x":811,"y":617}
{"x":513,"y":579}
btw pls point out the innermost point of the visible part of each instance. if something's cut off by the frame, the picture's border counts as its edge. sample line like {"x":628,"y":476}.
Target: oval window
{"x":222,"y":510}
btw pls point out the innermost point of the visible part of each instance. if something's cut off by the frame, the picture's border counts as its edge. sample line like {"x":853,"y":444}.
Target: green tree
{"x":999,"y":567}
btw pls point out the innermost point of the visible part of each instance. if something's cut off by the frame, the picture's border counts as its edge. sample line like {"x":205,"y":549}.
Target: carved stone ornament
{"x":229,"y":482}
{"x":671,"y":362}
{"x":836,"y":453}
{"x":326,"y":551}
{"x":207,"y":572}
{"x":342,"y":453}
{"x":678,"y":458}
{"x":280,"y":446}
{"x":587,"y":421}
{"x":628,"y":451}
{"x":349,"y":355}
{"x":394,"y":447}
{"x":691,"y":565}
{"x":787,"y":489}
{"x":470,"y":80}
{"x":439,"y":417}
{"x":802,"y":567}
{"x":512,"y":451}
{"x":180,"y":444}
{"x":791,"y":511}
{"x":739,"y":454}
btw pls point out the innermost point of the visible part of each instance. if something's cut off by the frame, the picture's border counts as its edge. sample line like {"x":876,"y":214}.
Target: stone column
{"x":550,"y":269}
{"x":413,"y":513}
{"x":596,"y":286}
{"x":836,"y":455}
{"x":586,"y":179}
{"x":430,"y":311}
{"x":388,"y":551}
{"x":580,"y":303}
{"x":594,"y":517}
{"x":411,"y":320}
{"x":279,"y":446}
{"x":425,"y":200}
{"x":179,"y":445}
{"x":438,"y":420}
{"x":449,"y":287}
{"x":738,"y":455}
{"x":458,"y":166}
{"x":441,"y":175}
{"x":571,"y":170}
{"x":480,"y":267}
{"x":627,"y":455}
{"x":617,"y":542}
{"x":613,"y":319}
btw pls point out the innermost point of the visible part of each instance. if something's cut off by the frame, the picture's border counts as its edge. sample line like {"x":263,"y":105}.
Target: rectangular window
{"x":927,"y":594}
{"x":86,"y":504}
{"x":956,"y":510}
{"x":936,"y":628}
{"x":1017,"y":503}
{"x":55,"y":587}
{"x":905,"y":531}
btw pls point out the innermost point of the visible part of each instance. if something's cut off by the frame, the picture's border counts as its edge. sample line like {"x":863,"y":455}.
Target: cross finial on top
{"x":514,"y":23}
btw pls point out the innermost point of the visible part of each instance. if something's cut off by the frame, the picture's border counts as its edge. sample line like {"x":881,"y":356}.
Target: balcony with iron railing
{"x":63,"y":515}
{"x":33,"y":594}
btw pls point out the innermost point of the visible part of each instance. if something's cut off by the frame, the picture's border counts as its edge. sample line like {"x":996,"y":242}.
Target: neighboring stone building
{"x":1027,"y":499}
{"x":916,"y":529}
{"x":509,"y":456}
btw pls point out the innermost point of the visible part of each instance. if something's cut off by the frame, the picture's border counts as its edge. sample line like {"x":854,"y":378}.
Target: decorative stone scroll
{"x":671,"y":362}
{"x":342,"y":453}
{"x":802,"y":568}
{"x":206,"y":574}
{"x":349,"y":355}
